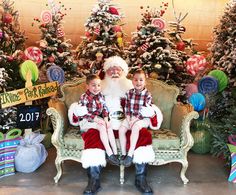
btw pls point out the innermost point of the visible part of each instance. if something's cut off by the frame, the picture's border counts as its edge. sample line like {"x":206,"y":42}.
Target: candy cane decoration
{"x":145,"y":46}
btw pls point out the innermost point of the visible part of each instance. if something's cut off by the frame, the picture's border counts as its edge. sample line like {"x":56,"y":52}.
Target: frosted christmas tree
{"x":11,"y":43}
{"x":7,"y":115}
{"x":152,"y":51}
{"x":223,"y":48}
{"x":56,"y":49}
{"x":104,"y":33}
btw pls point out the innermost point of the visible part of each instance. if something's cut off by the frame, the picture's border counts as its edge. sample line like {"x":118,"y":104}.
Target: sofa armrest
{"x":58,"y":113}
{"x":181,"y":116}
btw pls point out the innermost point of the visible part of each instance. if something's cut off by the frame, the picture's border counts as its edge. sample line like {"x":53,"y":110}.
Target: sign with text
{"x":28,"y":116}
{"x":31,"y":93}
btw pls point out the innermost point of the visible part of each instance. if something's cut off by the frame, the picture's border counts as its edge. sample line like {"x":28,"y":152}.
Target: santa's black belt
{"x":118,"y":115}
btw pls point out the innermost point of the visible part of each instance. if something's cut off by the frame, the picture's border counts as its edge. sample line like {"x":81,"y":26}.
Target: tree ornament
{"x":51,"y":59}
{"x":117,"y":28}
{"x":113,"y":11}
{"x":180,"y":46}
{"x":7,"y":18}
{"x":119,"y":39}
{"x":158,"y":23}
{"x":60,"y":32}
{"x":87,"y":34}
{"x":46,"y":16}
{"x":1,"y":34}
{"x":34,"y":54}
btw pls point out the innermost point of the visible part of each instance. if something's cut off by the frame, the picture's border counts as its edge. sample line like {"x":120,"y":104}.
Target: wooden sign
{"x":28,"y":116}
{"x":31,"y":93}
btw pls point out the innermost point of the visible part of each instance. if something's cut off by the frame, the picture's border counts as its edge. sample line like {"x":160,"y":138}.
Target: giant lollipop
{"x":195,"y":63}
{"x":221,"y":77}
{"x":55,"y":73}
{"x":34,"y":54}
{"x":29,"y":65}
{"x":198,"y":101}
{"x":208,"y":85}
{"x":190,"y":89}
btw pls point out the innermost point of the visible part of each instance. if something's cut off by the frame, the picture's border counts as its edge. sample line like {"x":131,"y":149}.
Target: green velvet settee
{"x":171,"y":143}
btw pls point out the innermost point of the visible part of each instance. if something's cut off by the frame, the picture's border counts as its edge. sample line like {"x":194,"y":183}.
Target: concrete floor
{"x":207,"y":175}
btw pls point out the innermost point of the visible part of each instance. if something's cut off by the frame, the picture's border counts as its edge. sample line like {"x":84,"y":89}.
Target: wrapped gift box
{"x":8,"y":145}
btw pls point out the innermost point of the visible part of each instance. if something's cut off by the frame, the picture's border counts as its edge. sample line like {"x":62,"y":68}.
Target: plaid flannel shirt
{"x":95,"y":104}
{"x":134,"y":101}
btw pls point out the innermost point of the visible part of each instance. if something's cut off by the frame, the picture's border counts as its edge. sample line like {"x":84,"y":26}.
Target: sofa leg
{"x":122,"y":174}
{"x":58,"y":162}
{"x":183,"y":171}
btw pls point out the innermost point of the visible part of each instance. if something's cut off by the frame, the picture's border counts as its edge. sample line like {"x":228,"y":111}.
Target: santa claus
{"x":114,"y":87}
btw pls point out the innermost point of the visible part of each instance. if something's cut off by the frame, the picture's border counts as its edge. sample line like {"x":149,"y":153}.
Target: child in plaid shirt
{"x":94,"y":100}
{"x":135,"y":98}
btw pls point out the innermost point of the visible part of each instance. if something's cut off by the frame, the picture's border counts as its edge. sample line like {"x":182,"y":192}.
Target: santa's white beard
{"x":116,"y":87}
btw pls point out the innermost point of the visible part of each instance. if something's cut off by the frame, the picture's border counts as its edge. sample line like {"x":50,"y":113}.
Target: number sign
{"x":28,"y":116}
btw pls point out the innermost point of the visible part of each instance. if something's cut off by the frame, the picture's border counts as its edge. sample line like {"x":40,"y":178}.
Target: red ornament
{"x":113,"y":11}
{"x":7,"y":18}
{"x":117,"y":28}
{"x":139,"y":26}
{"x":10,"y":58}
{"x":87,"y":34}
{"x":180,"y":46}
{"x":51,"y":59}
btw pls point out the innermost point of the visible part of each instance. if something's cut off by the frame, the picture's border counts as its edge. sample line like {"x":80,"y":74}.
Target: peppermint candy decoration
{"x":195,"y":63}
{"x":34,"y":54}
{"x":46,"y":16}
{"x":145,"y":46}
{"x":60,"y":32}
{"x":97,"y":31}
{"x":158,"y":23}
{"x":56,"y":73}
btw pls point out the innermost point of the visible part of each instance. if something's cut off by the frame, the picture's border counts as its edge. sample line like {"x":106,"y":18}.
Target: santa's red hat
{"x":116,"y":61}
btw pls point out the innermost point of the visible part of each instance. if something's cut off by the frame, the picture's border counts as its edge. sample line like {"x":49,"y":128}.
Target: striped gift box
{"x":8,"y":145}
{"x":232,"y":175}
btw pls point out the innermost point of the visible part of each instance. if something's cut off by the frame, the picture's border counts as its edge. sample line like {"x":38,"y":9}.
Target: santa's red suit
{"x":114,"y":87}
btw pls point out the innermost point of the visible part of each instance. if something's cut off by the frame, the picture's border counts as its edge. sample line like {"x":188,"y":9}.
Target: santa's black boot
{"x":140,"y":179}
{"x":93,"y":180}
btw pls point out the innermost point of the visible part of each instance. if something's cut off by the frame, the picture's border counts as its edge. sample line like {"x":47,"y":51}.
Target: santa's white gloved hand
{"x":78,"y":109}
{"x":147,"y":111}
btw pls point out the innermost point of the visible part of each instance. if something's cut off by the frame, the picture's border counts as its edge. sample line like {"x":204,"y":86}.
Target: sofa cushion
{"x":164,"y":139}
{"x":73,"y":139}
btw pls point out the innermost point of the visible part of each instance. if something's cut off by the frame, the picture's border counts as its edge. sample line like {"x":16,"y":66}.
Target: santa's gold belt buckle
{"x":118,"y":115}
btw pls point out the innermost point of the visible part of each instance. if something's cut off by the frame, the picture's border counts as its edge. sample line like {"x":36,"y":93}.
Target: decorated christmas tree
{"x":223,"y":48}
{"x":7,"y":115}
{"x":11,"y":43}
{"x":153,"y":51}
{"x":56,"y":49}
{"x":104,"y":33}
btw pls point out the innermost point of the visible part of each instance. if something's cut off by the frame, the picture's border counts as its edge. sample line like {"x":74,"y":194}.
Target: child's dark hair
{"x":139,"y":71}
{"x":91,"y":77}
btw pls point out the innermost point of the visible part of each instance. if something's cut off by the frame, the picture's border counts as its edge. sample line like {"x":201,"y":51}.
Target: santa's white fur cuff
{"x":93,"y":157}
{"x":144,"y":154}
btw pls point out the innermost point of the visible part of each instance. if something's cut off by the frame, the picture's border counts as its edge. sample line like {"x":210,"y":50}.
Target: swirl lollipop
{"x":195,"y":63}
{"x":221,"y":77}
{"x":46,"y":16}
{"x":190,"y":89}
{"x":56,"y":73}
{"x":208,"y":85}
{"x":158,"y":23}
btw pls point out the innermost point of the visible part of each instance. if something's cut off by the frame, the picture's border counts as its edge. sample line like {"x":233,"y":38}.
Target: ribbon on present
{"x":8,"y":145}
